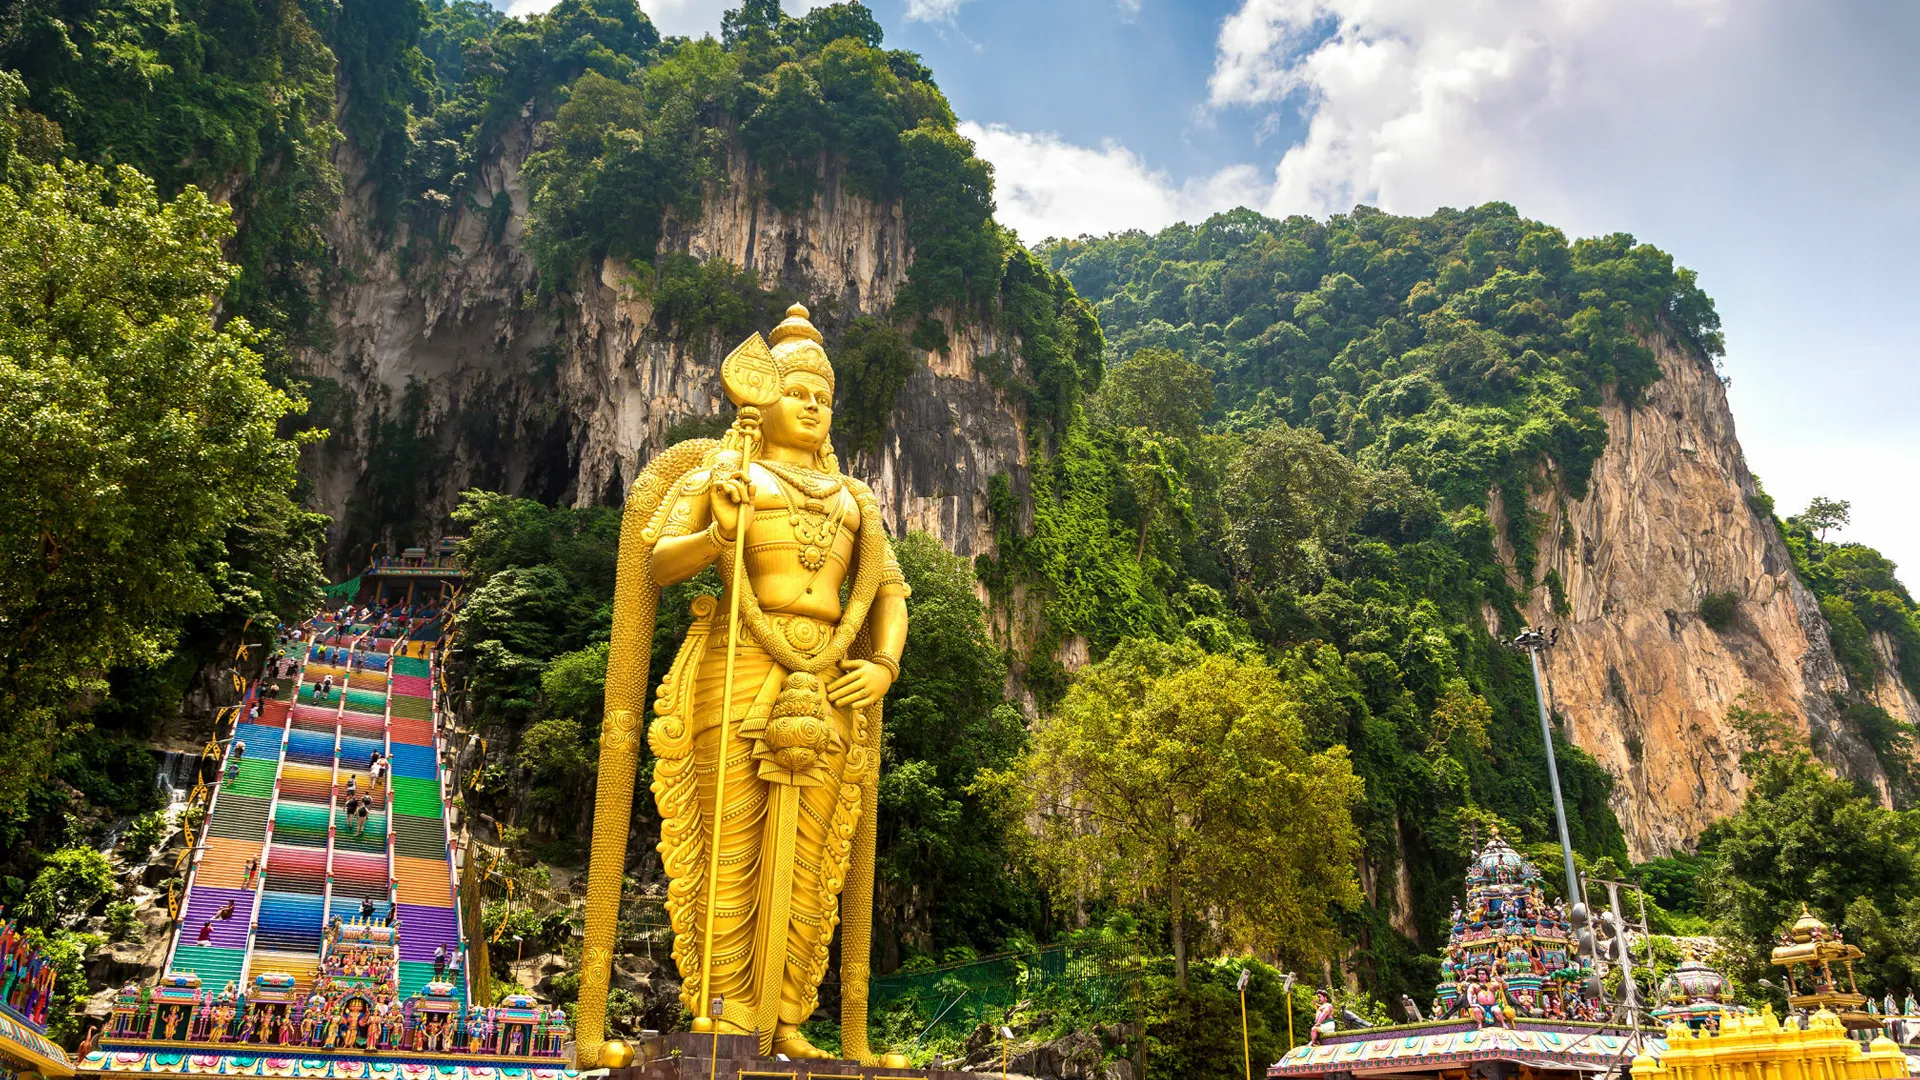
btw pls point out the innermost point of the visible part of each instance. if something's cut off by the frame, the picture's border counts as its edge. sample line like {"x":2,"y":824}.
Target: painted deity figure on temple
{"x":1322,"y":1015}
{"x":768,"y":721}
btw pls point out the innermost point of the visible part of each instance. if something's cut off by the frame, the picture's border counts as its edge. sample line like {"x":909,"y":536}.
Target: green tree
{"x":1823,"y":514}
{"x":1290,"y":497}
{"x":71,"y":882}
{"x":68,"y":951}
{"x":133,"y":432}
{"x":1804,"y":836}
{"x":945,"y":881}
{"x":1183,"y":777}
{"x":1159,"y":390}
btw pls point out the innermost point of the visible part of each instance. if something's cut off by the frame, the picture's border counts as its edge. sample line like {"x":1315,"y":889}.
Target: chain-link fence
{"x":949,"y":1001}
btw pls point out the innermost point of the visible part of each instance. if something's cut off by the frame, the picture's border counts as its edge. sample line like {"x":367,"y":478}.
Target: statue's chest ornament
{"x":815,"y":521}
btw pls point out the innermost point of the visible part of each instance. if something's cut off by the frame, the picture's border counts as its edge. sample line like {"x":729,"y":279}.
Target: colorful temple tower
{"x":1512,"y":1000}
{"x":1696,"y":996}
{"x":1510,"y":952}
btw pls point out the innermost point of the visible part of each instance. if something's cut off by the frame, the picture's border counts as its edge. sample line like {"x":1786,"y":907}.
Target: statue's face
{"x":802,"y":416}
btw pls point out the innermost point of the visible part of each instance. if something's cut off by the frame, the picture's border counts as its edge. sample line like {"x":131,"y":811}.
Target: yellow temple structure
{"x":1809,"y":950}
{"x":1760,"y":1047}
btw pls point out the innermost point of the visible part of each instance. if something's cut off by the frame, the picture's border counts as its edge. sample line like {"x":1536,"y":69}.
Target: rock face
{"x":1643,"y":680}
{"x":480,"y":382}
{"x":566,"y":398}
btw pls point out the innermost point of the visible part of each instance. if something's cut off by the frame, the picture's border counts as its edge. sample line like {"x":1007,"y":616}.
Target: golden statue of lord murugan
{"x":766,"y":731}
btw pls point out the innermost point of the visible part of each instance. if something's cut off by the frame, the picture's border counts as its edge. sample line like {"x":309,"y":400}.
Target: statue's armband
{"x":688,"y":501}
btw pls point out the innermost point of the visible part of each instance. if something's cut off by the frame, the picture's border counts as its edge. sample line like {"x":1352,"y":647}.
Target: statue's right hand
{"x":731,"y":489}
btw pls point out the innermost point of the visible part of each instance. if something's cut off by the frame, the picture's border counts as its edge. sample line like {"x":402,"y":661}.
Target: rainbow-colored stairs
{"x":429,"y":920}
{"x":285,"y":804}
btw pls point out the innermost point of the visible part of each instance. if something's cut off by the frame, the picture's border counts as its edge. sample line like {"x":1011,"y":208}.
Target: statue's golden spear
{"x":752,"y":380}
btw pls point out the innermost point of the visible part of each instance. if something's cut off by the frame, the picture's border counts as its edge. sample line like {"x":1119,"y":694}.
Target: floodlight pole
{"x":1533,"y":641}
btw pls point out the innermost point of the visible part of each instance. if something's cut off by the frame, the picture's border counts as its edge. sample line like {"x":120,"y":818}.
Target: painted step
{"x":304,"y":786}
{"x":412,"y":686}
{"x":301,"y":966}
{"x":416,"y":796}
{"x":289,"y":921}
{"x":358,"y":874}
{"x":310,"y":747}
{"x":223,"y":862}
{"x":372,"y":701}
{"x":413,"y":708}
{"x":410,"y":665}
{"x":417,"y":944}
{"x":414,"y":978}
{"x":356,"y":751}
{"x":316,"y":716}
{"x":203,"y":903}
{"x":347,"y":908}
{"x":255,"y":777}
{"x":422,"y":882}
{"x":239,"y":817}
{"x":263,"y":742}
{"x":363,"y":725}
{"x":415,"y":762}
{"x":302,"y":823}
{"x":216,"y":967}
{"x":372,"y":842}
{"x":419,"y":838}
{"x":411,"y":732}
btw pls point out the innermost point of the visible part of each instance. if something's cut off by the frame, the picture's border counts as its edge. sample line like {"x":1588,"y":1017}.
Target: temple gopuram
{"x":1512,"y":1000}
{"x":324,"y":932}
{"x":27,"y":980}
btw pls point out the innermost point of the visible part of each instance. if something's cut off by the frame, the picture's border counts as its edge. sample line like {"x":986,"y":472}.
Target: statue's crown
{"x":798,"y":346}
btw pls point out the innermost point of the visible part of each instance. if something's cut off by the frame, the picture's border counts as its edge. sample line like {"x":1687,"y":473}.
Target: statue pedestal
{"x":688,"y":1056}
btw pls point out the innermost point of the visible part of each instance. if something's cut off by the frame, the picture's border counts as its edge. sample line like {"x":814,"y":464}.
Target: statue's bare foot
{"x":789,"y":1041}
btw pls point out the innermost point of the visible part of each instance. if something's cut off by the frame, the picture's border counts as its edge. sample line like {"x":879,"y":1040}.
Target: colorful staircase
{"x":285,"y":804}
{"x":429,"y":920}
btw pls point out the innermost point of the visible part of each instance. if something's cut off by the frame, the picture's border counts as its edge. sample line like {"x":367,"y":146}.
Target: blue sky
{"x":1768,"y":144}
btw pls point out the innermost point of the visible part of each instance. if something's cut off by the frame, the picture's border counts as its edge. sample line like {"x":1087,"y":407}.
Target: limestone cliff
{"x":1642,"y":679}
{"x":458,"y":373}
{"x":458,"y":365}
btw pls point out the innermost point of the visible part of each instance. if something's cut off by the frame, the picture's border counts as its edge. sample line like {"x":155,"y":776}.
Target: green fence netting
{"x":952,"y":999}
{"x":346,"y":590}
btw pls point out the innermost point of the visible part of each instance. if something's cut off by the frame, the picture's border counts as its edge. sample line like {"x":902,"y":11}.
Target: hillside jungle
{"x":1264,"y":451}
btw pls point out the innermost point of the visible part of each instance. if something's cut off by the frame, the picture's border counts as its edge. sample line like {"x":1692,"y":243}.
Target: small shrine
{"x":353,"y":1006}
{"x":1808,"y":950}
{"x":27,"y":979}
{"x":1510,"y":952}
{"x":1695,"y":996}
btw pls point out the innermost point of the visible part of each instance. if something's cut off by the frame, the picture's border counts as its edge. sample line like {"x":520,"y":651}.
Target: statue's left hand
{"x":864,"y":683}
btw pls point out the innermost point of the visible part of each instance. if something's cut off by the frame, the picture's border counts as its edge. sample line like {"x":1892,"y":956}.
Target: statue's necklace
{"x":812,"y":526}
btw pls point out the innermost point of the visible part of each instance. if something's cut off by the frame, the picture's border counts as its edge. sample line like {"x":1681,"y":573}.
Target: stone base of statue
{"x":690,"y":1056}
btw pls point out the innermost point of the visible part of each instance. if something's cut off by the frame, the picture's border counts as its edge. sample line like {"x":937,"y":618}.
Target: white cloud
{"x":932,"y":10}
{"x":1759,"y":142}
{"x":690,"y":17}
{"x":1410,"y":105}
{"x":1045,"y":186}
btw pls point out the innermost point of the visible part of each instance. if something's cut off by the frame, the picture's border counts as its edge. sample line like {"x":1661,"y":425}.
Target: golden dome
{"x":795,"y":326}
{"x":1808,"y":921}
